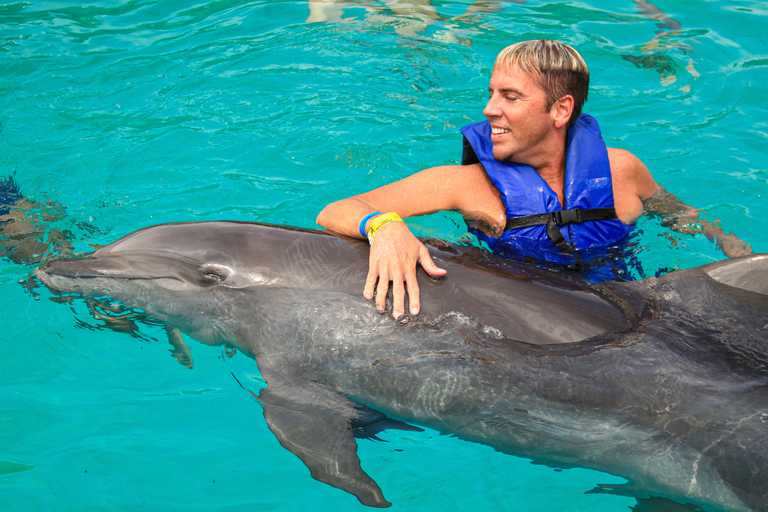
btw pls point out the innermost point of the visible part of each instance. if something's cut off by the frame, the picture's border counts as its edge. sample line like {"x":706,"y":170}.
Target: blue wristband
{"x":364,"y":221}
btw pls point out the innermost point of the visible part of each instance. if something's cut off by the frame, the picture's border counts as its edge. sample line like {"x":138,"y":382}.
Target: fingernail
{"x":414,"y":311}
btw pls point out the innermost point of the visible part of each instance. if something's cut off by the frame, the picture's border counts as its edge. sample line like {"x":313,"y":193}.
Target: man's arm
{"x":636,"y":191}
{"x":395,"y":251}
{"x":683,"y":218}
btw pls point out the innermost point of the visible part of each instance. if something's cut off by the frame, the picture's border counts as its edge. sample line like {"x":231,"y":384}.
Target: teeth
{"x":499,"y":131}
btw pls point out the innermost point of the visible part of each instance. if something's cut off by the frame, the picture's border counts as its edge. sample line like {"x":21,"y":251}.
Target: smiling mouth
{"x":499,"y":131}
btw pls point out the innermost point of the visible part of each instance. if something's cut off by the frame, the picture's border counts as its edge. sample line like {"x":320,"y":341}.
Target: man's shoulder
{"x":623,"y":161}
{"x":627,"y":169}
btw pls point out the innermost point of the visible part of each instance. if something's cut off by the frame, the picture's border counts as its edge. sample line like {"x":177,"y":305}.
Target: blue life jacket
{"x":548,"y":231}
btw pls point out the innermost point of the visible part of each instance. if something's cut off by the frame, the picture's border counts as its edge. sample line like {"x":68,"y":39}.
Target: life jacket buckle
{"x":563,"y":217}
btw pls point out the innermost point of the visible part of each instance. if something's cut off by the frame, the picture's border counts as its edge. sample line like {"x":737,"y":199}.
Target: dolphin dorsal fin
{"x":746,"y":273}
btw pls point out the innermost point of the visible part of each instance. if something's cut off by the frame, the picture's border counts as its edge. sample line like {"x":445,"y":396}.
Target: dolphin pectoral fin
{"x":317,"y":425}
{"x":180,"y":350}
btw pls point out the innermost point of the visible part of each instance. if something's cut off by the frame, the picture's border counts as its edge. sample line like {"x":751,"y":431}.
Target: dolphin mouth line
{"x":129,"y":265}
{"x":78,"y":282}
{"x":102,"y":275}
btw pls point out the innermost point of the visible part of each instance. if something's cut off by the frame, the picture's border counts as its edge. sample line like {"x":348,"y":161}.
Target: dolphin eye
{"x":214,"y":273}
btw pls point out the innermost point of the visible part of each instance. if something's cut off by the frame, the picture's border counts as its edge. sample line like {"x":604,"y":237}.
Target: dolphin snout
{"x":63,"y":275}
{"x":88,"y":267}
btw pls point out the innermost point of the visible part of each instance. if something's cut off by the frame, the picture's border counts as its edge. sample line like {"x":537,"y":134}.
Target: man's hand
{"x":682,"y":218}
{"x":393,"y":258}
{"x":732,"y":246}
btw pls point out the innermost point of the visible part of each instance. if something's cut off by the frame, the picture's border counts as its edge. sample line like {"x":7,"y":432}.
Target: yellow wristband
{"x":380,"y":221}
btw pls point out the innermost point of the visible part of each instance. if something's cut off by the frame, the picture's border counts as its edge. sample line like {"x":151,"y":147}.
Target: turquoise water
{"x":135,"y":113}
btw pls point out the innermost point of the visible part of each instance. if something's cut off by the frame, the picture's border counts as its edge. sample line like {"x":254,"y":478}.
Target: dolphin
{"x":662,"y":381}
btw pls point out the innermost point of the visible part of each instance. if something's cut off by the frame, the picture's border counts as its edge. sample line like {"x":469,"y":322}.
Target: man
{"x":533,"y":157}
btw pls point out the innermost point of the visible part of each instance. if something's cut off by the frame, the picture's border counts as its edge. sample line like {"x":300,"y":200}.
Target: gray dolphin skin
{"x":663,"y":381}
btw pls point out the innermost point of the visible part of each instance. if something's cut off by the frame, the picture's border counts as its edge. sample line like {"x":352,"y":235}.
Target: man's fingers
{"x":370,"y":283}
{"x":398,"y":297}
{"x":429,"y":266}
{"x":381,"y":294}
{"x":412,"y":285}
{"x":393,"y":260}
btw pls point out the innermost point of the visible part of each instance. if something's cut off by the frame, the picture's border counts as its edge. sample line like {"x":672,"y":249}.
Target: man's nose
{"x":491,"y":108}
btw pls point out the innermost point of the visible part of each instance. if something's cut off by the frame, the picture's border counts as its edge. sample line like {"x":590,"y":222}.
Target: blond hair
{"x":555,"y":67}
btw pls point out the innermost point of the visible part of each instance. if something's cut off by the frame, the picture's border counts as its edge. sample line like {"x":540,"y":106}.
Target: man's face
{"x":522,"y":130}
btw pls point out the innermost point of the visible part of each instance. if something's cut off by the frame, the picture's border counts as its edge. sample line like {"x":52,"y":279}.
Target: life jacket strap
{"x":560,"y":218}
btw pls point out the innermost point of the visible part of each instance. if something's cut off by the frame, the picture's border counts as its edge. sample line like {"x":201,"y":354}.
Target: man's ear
{"x":562,"y":110}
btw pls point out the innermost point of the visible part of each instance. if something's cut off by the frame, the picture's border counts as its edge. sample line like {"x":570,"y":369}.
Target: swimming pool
{"x":136,"y":113}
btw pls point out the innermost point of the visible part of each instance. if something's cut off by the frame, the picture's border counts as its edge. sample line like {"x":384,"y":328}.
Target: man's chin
{"x":501,"y":156}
